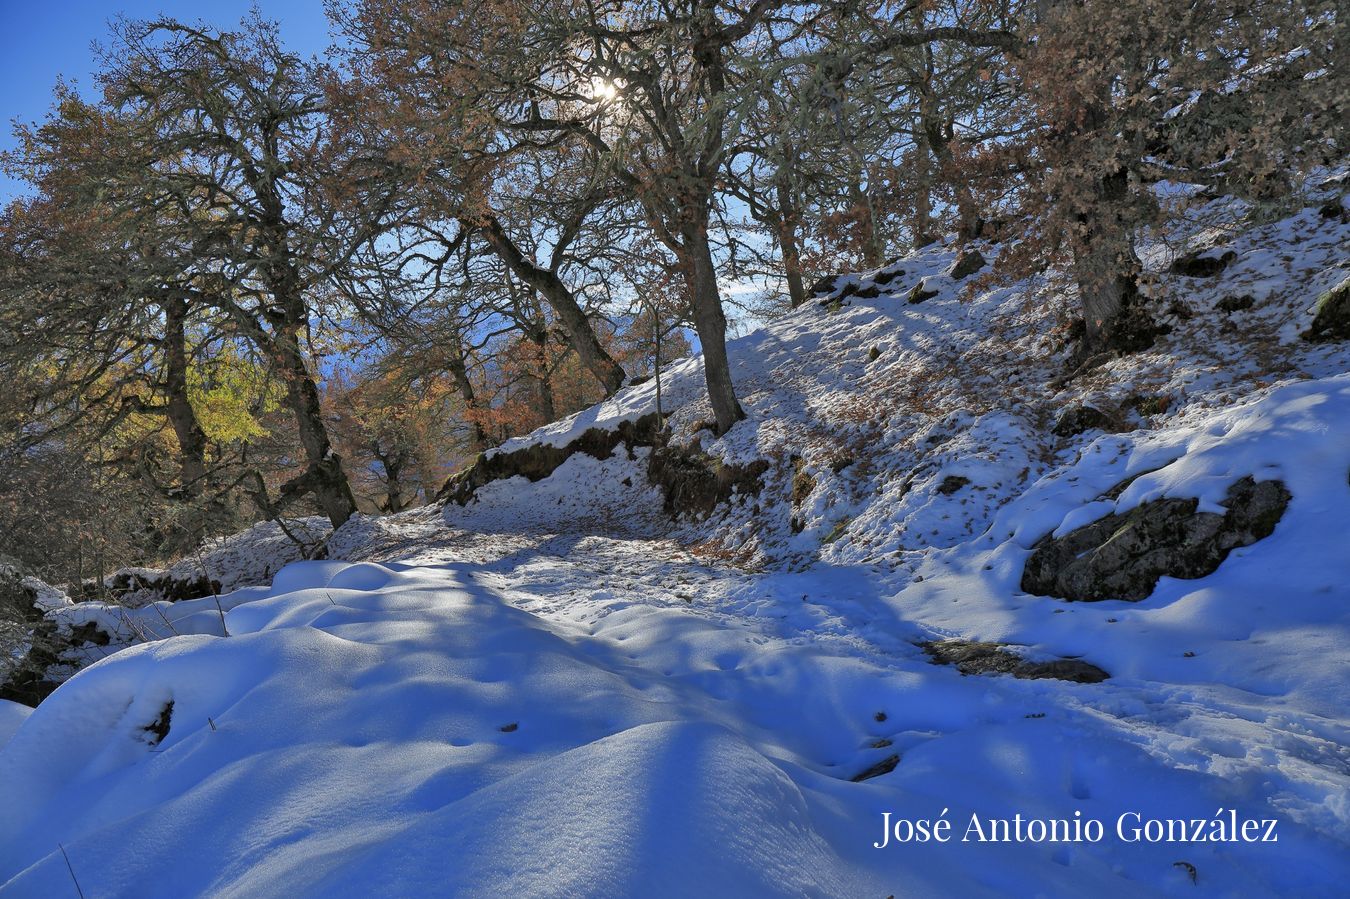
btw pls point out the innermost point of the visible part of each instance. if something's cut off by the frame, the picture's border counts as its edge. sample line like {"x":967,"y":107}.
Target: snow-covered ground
{"x":555,"y":691}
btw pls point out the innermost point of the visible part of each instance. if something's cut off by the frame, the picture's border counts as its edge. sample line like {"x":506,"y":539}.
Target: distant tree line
{"x":246,"y":284}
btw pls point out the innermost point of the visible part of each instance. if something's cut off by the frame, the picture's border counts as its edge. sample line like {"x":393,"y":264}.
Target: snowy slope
{"x":555,"y":691}
{"x":883,"y":400}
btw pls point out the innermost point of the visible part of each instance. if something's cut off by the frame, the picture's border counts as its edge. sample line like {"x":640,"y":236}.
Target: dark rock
{"x":89,"y":633}
{"x":966,"y":264}
{"x":1235,"y":303}
{"x":886,"y":277}
{"x":919,"y":292}
{"x":1203,"y":263}
{"x":1075,"y":670}
{"x":696,"y":483}
{"x":1331,"y":318}
{"x":1146,"y":404}
{"x":885,"y":766}
{"x":824,"y":285}
{"x":1079,"y":418}
{"x":970,"y":657}
{"x":1335,"y":210}
{"x":1180,"y":310}
{"x":952,"y":483}
{"x":873,"y":354}
{"x":29,"y":681}
{"x":22,"y":622}
{"x":1122,"y":556}
{"x":166,"y":585}
{"x":802,"y":483}
{"x":159,"y":728}
{"x":869,"y":292}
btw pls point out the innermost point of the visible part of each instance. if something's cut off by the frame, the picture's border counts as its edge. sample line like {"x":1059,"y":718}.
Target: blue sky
{"x":41,"y":41}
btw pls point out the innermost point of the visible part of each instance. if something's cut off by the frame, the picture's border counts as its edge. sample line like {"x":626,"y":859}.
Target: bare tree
{"x":273,"y":201}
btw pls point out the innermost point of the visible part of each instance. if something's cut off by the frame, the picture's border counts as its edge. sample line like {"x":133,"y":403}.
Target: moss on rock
{"x":1331,"y":318}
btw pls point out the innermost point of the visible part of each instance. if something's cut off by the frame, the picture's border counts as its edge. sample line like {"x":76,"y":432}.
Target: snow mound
{"x":473,"y":728}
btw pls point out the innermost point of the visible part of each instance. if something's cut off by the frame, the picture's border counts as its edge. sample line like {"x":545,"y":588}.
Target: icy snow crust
{"x":556,"y":692}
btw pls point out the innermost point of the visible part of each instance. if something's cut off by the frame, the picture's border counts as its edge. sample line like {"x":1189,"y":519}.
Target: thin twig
{"x":211,"y":585}
{"x":71,"y":869}
{"x":167,"y":622}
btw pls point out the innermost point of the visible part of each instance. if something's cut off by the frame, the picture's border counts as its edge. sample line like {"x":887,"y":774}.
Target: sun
{"x":603,"y":89}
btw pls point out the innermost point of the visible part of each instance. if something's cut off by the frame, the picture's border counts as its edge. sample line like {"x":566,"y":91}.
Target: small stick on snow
{"x":71,"y":869}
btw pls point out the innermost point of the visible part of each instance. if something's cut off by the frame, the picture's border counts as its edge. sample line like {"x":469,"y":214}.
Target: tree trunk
{"x":656,"y":371}
{"x":789,"y":246}
{"x":580,"y":335}
{"x":1107,"y":271}
{"x":939,"y":143}
{"x":923,"y":195}
{"x":324,"y":477}
{"x":393,"y":487}
{"x":873,"y":254}
{"x":478,"y":438}
{"x":182,"y":417}
{"x":539,"y":374}
{"x":711,"y":323}
{"x":1104,"y":262}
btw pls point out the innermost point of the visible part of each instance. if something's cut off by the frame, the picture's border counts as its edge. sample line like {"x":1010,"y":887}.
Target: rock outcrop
{"x":920,"y":292}
{"x":1122,"y":556}
{"x":539,"y":460}
{"x":1079,"y":418}
{"x":696,"y":483}
{"x":1331,"y":318}
{"x":1235,"y":303}
{"x":966,"y":264}
{"x":1203,"y":263}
